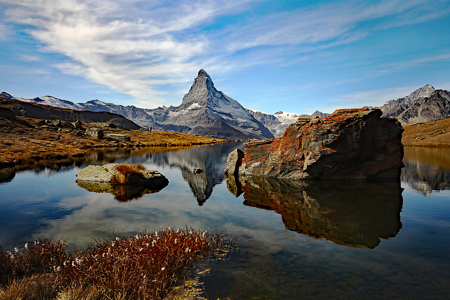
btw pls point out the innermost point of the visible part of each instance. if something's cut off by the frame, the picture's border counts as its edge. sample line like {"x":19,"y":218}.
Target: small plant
{"x":125,"y":171}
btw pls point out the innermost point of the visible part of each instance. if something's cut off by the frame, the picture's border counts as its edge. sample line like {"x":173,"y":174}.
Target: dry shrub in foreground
{"x":145,"y":266}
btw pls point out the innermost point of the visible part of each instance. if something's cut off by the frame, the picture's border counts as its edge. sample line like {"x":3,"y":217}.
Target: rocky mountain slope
{"x":208,"y":112}
{"x":423,"y":105}
{"x":47,"y":112}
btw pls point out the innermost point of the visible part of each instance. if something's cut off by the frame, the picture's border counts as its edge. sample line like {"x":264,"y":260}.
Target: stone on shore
{"x":118,"y":137}
{"x":95,"y":132}
{"x":348,"y":144}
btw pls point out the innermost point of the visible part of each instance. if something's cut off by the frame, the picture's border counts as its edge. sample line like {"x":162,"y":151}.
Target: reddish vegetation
{"x":125,"y":170}
{"x":145,"y":266}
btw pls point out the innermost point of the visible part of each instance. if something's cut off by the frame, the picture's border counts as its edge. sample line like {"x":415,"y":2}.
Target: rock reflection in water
{"x":355,"y":214}
{"x":426,"y":169}
{"x":123,"y":193}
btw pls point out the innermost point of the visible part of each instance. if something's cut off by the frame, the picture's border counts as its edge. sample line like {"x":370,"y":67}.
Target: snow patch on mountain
{"x":278,"y":121}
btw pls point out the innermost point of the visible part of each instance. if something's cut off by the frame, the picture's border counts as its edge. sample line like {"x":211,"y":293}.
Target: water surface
{"x":315,"y":240}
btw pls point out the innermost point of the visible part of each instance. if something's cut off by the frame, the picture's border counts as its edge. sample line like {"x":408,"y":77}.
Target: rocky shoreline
{"x":28,"y":143}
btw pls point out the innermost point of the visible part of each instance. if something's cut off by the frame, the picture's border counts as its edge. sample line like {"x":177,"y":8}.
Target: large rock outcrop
{"x":348,"y":144}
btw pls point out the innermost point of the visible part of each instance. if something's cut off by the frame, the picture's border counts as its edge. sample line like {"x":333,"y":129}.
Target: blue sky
{"x":293,"y":56}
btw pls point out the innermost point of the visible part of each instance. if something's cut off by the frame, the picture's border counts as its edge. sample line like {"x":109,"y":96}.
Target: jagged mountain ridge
{"x":40,"y":111}
{"x":423,"y":105}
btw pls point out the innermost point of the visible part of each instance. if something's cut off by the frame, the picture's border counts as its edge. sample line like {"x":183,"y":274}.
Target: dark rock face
{"x":355,"y":214}
{"x":348,"y":144}
{"x":7,"y":113}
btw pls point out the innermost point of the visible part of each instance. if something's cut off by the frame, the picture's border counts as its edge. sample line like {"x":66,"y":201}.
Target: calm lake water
{"x":320,"y":240}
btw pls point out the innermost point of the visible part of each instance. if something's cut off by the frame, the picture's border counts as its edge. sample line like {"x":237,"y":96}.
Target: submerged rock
{"x":348,"y":144}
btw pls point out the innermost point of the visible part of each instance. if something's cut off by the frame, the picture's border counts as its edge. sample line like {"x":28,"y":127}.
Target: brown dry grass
{"x":430,"y":134}
{"x":24,"y":145}
{"x":148,"y":265}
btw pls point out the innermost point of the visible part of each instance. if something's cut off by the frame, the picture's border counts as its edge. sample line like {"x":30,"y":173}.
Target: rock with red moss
{"x":348,"y":144}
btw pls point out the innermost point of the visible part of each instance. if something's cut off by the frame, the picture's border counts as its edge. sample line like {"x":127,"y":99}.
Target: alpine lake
{"x":295,"y":240}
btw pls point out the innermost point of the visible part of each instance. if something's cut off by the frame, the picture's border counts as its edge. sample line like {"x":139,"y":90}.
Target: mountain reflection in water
{"x":426,"y":169}
{"x":210,"y":159}
{"x":355,"y":214}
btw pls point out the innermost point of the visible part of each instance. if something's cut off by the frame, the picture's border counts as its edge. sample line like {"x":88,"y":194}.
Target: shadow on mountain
{"x":211,"y":160}
{"x":426,"y":169}
{"x":355,"y":214}
{"x":123,"y":193}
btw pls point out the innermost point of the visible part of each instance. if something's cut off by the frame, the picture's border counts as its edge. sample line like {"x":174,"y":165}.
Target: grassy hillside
{"x":24,"y":142}
{"x":430,"y":134}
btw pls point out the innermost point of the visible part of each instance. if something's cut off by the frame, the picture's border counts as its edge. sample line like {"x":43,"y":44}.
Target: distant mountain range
{"x":205,"y":111}
{"x":276,"y":123}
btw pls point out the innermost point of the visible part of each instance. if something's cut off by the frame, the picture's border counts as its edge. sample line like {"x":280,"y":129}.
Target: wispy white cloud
{"x":331,"y":24}
{"x":29,"y":58}
{"x":4,"y":32}
{"x":137,"y":47}
{"x":371,"y":97}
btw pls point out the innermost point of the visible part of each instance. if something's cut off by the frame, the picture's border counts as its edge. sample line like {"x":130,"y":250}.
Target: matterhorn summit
{"x":206,"y":111}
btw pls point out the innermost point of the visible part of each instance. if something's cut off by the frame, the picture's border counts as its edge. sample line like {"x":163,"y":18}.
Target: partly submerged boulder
{"x":124,"y":181}
{"x":110,"y":173}
{"x":348,"y":144}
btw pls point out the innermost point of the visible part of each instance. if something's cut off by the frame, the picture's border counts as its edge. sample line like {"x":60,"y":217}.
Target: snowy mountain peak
{"x":6,"y":95}
{"x":203,"y":92}
{"x":417,"y":95}
{"x":422,"y":92}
